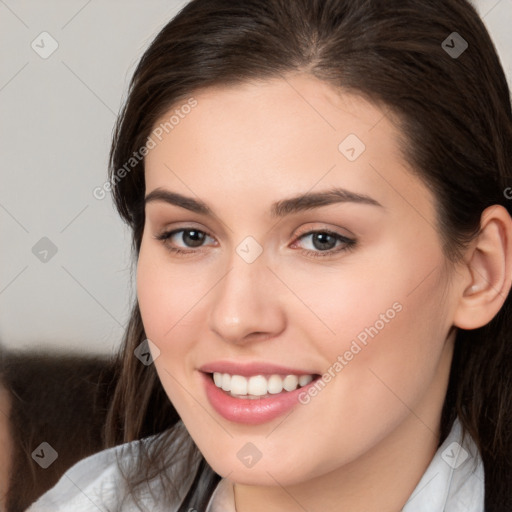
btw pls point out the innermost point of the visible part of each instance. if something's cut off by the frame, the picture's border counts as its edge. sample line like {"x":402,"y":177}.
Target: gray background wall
{"x":65,"y":268}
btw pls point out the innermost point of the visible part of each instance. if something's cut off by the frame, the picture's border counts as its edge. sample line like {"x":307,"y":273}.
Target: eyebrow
{"x":280,"y":208}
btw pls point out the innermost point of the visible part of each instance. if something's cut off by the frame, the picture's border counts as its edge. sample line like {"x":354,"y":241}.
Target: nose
{"x":246,"y":303}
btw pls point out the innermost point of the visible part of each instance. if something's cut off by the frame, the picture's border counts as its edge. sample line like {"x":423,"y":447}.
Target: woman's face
{"x":349,"y":289}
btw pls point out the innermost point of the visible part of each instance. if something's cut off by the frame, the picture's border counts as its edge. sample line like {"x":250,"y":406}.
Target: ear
{"x":488,"y":276}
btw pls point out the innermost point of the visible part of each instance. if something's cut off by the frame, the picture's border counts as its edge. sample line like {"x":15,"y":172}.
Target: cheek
{"x":168,"y":296}
{"x":390,"y":338}
{"x":164,"y":300}
{"x":173,"y":306}
{"x":363,"y":292}
{"x":387,"y":323}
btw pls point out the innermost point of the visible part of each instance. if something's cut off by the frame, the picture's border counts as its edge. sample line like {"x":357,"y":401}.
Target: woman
{"x":317,"y":195}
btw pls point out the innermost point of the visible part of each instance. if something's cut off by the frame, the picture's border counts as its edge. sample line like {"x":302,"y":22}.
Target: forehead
{"x":286,"y":135}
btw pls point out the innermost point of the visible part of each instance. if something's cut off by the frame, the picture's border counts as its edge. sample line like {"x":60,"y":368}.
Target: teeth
{"x":217,"y":378}
{"x":275,"y":384}
{"x":290,"y":382}
{"x":238,"y":385}
{"x":258,"y":385}
{"x":226,"y":382}
{"x":305,"y":379}
{"x":255,"y":386}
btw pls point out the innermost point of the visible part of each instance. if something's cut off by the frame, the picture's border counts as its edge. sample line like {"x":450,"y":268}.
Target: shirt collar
{"x":453,"y":482}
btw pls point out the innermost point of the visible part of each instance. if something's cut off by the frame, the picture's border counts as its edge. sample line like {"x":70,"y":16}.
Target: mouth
{"x":259,"y":386}
{"x":255,"y":399}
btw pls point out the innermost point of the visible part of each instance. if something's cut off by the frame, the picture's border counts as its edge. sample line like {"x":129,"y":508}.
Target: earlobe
{"x":489,"y":265}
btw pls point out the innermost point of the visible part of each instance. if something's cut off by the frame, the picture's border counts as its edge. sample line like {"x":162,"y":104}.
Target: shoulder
{"x":95,"y":481}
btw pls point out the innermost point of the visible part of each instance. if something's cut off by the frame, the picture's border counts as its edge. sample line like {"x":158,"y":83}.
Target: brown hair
{"x":456,"y":121}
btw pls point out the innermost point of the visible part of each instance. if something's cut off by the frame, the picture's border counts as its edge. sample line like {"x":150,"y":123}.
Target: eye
{"x":324,"y":243}
{"x":191,"y":237}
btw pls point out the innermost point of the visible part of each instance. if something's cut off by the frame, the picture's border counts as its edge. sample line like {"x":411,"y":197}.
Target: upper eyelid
{"x":334,"y":231}
{"x":190,"y":225}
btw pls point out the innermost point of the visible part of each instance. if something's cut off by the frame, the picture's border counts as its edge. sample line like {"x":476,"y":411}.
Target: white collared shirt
{"x":453,"y":482}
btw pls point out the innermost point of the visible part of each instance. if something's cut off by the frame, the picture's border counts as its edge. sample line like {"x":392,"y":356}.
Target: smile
{"x":259,"y":386}
{"x":257,"y":396}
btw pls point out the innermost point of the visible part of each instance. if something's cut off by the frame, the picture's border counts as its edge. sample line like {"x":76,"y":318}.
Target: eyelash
{"x":349,"y":242}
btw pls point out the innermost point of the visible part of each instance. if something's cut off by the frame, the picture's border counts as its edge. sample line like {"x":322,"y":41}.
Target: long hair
{"x":455,"y":117}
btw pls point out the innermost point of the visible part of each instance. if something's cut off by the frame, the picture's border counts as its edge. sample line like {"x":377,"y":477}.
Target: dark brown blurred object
{"x":58,"y":399}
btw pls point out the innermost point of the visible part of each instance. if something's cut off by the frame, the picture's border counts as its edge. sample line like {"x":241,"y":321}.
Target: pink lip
{"x":250,"y":369}
{"x":249,"y":411}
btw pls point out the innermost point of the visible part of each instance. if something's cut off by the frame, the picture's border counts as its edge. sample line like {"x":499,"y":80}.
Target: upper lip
{"x":249,"y":369}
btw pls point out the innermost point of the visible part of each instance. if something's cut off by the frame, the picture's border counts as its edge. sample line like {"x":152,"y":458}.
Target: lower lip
{"x":251,"y":411}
